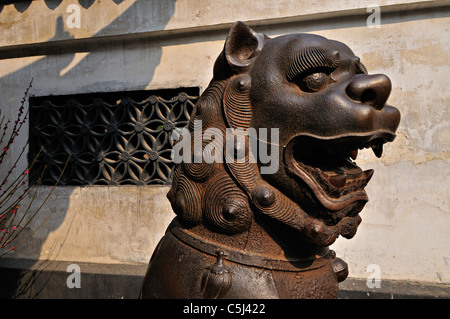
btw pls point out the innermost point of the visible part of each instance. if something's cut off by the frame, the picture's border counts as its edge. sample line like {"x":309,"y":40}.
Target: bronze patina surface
{"x":242,"y":233}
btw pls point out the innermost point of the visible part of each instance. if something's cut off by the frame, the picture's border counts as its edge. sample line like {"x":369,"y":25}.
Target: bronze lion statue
{"x":254,"y":226}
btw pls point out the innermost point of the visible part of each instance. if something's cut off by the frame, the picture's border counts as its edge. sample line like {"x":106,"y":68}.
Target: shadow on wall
{"x":114,"y":66}
{"x":22,"y":5}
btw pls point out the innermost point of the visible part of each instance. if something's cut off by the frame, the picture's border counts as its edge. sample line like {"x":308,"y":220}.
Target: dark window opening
{"x":115,"y":138}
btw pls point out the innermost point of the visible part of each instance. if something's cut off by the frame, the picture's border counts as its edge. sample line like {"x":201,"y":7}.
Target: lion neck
{"x":277,"y":242}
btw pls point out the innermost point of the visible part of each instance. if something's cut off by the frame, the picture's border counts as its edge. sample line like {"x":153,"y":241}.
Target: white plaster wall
{"x":97,"y":224}
{"x":40,"y":22}
{"x":406,"y":224}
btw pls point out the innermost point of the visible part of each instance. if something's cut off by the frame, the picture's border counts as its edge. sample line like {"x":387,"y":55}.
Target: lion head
{"x":324,"y":106}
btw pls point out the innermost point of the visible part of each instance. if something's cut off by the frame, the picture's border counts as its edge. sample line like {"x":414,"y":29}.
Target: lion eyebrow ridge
{"x":311,"y":57}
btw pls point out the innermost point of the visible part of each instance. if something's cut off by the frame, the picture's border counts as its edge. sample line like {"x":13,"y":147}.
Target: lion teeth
{"x":378,"y":150}
{"x":338,"y":180}
{"x":368,"y":175}
{"x":354,"y":154}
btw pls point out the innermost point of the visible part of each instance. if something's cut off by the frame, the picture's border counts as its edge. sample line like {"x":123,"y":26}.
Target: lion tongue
{"x":340,"y":180}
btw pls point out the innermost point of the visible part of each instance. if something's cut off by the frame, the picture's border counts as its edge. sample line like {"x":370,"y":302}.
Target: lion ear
{"x":242,"y":46}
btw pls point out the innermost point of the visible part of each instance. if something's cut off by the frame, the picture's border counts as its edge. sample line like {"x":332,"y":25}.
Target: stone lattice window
{"x":112,"y":138}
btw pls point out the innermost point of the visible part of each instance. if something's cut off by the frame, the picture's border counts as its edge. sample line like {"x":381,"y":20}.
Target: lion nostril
{"x":372,"y":90}
{"x":368,"y":96}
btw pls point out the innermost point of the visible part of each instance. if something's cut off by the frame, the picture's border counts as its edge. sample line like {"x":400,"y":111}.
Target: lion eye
{"x":314,"y":82}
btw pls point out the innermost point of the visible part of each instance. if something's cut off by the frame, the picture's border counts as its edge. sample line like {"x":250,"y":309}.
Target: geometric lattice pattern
{"x":112,"y":139}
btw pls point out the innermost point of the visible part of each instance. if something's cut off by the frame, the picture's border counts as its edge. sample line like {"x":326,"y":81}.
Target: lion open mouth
{"x":327,"y":166}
